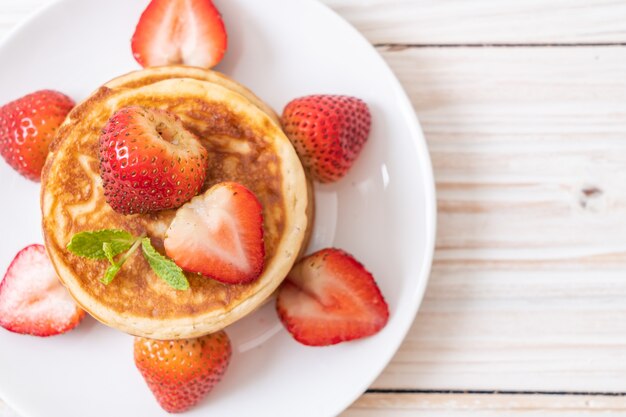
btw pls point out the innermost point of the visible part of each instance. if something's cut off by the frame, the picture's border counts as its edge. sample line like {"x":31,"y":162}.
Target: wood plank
{"x":486,"y":21}
{"x":525,"y":144}
{"x":516,"y":329}
{"x":528,"y":286}
{"x":456,"y":21}
{"x":480,"y":405}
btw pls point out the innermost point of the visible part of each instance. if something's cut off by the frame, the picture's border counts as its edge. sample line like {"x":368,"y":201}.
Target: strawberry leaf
{"x":164,"y":267}
{"x":90,"y":244}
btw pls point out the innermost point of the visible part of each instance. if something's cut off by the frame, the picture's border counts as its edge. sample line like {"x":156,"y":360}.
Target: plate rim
{"x":420,"y":145}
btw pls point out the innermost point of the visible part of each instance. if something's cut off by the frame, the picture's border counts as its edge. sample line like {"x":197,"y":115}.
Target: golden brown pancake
{"x":245,"y":145}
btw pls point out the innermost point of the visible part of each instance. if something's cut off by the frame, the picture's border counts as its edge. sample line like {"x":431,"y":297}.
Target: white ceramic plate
{"x":383,"y":212}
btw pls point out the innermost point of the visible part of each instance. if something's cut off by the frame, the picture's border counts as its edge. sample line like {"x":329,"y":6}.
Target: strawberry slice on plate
{"x":27,"y":126}
{"x":219,"y":234}
{"x":32,"y":300}
{"x":328,"y":298}
{"x":149,"y":161}
{"x":189,"y":32}
{"x":328,"y":133}
{"x":180,"y":373}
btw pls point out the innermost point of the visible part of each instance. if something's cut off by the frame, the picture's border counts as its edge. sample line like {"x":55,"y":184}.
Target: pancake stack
{"x":245,"y":144}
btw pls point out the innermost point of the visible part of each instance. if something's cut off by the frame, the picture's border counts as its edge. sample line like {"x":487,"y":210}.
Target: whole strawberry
{"x":27,"y":126}
{"x":149,"y":161}
{"x":328,"y":133}
{"x":180,"y":373}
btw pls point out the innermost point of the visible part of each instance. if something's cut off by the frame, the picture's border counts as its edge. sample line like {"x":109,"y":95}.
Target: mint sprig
{"x":109,"y":243}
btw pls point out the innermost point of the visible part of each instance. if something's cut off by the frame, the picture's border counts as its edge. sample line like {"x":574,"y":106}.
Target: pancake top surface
{"x":244,"y":145}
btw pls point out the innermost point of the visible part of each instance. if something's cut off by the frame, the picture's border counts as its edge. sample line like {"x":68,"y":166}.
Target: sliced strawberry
{"x":189,"y":32}
{"x":219,"y":234}
{"x":32,"y":300}
{"x":27,"y":126}
{"x":328,"y":298}
{"x":328,"y":133}
{"x":149,"y":161}
{"x":180,"y":373}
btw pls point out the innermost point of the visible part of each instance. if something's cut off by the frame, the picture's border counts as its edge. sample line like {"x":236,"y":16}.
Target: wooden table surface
{"x":523,"y":104}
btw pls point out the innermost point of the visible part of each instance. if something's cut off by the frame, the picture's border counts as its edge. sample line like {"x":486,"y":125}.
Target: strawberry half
{"x":27,"y":126}
{"x":328,"y":133}
{"x":219,"y":234}
{"x":32,"y":300}
{"x":189,"y":32}
{"x":149,"y":161}
{"x":180,"y":373}
{"x":328,"y":298}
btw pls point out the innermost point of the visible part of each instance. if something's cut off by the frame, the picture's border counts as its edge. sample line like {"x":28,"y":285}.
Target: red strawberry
{"x":328,"y":298}
{"x":328,"y":133}
{"x":180,"y":373}
{"x":219,"y":234}
{"x":149,"y":161}
{"x":27,"y":126}
{"x":32,"y":300}
{"x":189,"y":32}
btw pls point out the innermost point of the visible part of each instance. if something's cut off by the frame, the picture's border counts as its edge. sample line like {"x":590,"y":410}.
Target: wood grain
{"x":526,"y":143}
{"x":486,"y":21}
{"x":481,"y":405}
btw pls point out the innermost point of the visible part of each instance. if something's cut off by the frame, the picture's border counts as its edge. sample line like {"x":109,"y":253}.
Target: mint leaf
{"x":90,"y":244}
{"x":107,"y":248}
{"x":110,"y":274}
{"x":165,"y":268}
